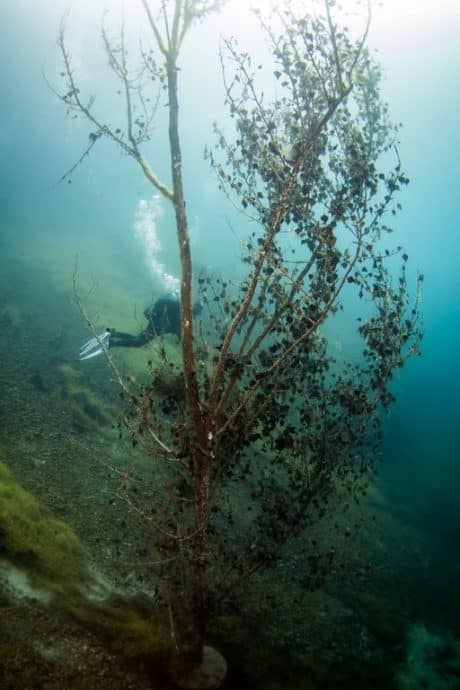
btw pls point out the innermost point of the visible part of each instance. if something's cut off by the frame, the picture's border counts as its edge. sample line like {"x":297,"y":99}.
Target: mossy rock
{"x":36,"y":541}
{"x":42,"y":559}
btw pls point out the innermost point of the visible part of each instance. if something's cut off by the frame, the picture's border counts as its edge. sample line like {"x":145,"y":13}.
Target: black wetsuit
{"x":162,"y":317}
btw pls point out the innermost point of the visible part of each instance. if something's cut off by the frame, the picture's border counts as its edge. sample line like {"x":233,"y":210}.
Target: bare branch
{"x":74,"y":102}
{"x":154,"y":28}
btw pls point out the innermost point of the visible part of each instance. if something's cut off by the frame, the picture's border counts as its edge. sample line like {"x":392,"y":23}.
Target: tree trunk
{"x":195,"y":665}
{"x":183,"y":238}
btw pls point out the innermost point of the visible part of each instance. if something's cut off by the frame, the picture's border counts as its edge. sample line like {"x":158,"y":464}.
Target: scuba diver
{"x":162,"y":317}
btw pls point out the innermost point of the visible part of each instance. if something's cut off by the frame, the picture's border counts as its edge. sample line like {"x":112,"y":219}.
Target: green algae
{"x":88,"y":410}
{"x":34,"y":540}
{"x":42,"y":550}
{"x":41,"y":646}
{"x":126,"y":627}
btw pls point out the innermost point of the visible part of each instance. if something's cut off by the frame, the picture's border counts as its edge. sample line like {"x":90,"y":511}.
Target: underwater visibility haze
{"x":258,"y":488}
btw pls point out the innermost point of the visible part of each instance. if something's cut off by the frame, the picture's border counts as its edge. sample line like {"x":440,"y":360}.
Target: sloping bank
{"x":44,"y":564}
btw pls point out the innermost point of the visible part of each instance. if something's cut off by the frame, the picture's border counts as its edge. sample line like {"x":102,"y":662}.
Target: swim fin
{"x":95,"y":346}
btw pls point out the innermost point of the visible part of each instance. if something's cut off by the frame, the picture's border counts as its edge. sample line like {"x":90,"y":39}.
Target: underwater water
{"x":102,"y":230}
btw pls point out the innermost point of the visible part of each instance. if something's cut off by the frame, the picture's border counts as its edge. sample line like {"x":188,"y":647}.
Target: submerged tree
{"x":258,"y":431}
